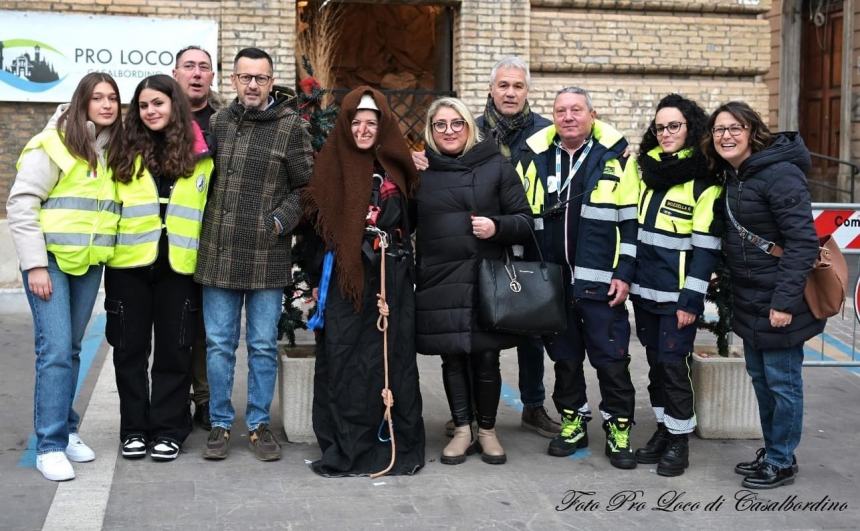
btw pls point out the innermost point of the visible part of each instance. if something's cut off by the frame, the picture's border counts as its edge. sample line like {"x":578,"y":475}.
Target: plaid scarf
{"x":504,"y":128}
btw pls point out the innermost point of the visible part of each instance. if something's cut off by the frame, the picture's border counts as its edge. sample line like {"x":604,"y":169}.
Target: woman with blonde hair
{"x":470,"y":206}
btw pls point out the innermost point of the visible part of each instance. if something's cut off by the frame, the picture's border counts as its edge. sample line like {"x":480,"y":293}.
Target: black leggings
{"x":482,"y":387}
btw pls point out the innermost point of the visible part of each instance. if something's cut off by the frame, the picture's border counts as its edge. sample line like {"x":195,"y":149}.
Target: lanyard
{"x":573,"y":168}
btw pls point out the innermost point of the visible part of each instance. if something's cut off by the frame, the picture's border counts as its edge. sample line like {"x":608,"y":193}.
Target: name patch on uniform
{"x":679,"y":206}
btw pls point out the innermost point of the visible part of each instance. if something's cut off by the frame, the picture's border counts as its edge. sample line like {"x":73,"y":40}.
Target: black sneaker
{"x":537,"y":420}
{"x":654,"y":448}
{"x":264,"y":444}
{"x":676,"y":458}
{"x":164,"y":450}
{"x":618,"y":443}
{"x":573,"y":435}
{"x":201,"y":416}
{"x":748,"y":468}
{"x":217,"y":444}
{"x":769,"y":476}
{"x":134,"y":447}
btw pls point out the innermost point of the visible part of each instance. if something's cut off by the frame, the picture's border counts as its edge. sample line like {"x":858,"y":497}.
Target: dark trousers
{"x":530,"y":362}
{"x":137,"y":301}
{"x":603,"y":332}
{"x":668,"y":350}
{"x":483,"y":388}
{"x":199,"y":379}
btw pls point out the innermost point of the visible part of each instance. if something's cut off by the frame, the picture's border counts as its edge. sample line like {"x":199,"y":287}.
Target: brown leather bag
{"x":827,"y":283}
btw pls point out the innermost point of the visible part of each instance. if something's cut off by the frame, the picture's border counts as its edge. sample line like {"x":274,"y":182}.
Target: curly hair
{"x":693,"y":113}
{"x":760,"y":135}
{"x":73,"y":122}
{"x":169,"y":152}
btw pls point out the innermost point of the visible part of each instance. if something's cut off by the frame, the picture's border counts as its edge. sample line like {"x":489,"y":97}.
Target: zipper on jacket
{"x":743,"y":246}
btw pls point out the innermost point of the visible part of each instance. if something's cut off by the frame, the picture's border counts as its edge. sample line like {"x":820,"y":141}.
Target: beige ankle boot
{"x":459,"y":447}
{"x":491,"y":450}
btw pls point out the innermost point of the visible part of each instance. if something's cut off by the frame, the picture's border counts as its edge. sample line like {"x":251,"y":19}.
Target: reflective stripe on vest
{"x":594,"y":275}
{"x":667,"y":242}
{"x":140,"y":227}
{"x":654,"y":294}
{"x":79,"y":218}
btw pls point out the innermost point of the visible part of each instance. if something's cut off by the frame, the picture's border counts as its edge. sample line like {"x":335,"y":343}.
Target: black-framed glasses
{"x":735,"y":130}
{"x":261,"y":79}
{"x":672,"y":127}
{"x":456,"y":125}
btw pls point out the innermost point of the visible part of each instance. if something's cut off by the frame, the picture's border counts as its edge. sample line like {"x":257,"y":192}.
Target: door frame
{"x":789,"y":79}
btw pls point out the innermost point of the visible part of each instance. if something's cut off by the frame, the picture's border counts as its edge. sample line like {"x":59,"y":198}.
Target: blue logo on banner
{"x":30,"y":70}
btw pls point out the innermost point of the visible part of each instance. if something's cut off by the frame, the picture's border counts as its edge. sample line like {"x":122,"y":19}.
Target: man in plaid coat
{"x":264,"y":158}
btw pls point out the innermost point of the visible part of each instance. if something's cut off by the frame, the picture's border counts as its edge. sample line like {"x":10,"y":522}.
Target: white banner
{"x":44,"y":55}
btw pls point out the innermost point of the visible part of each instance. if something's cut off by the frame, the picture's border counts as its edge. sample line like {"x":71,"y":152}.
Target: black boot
{"x":748,"y":468}
{"x":618,"y":443}
{"x":676,"y":457}
{"x":573,"y":435}
{"x":655,"y":447}
{"x":769,"y":476}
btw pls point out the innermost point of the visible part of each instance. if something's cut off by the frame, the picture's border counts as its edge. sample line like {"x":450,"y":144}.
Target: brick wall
{"x":774,"y":16}
{"x":268,"y":24}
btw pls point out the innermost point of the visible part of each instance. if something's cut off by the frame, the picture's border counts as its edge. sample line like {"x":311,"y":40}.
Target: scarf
{"x":505,"y":128}
{"x":338,"y":194}
{"x":673,"y":169}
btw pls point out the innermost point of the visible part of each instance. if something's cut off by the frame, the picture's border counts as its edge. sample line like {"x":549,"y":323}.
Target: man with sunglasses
{"x":264,"y":159}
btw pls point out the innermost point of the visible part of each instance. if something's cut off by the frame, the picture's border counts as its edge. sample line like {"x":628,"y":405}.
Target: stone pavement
{"x":526,"y":493}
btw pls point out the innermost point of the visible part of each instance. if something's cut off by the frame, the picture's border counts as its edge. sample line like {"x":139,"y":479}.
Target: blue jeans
{"x":59,"y":324}
{"x":530,"y":361}
{"x":222,"y":313}
{"x":778,"y":383}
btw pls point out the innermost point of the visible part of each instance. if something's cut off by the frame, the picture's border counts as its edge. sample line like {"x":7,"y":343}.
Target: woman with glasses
{"x":470,"y":206}
{"x":162,"y":179}
{"x":358,"y":199}
{"x":767,"y":200}
{"x":62,"y":215}
{"x":676,"y":252}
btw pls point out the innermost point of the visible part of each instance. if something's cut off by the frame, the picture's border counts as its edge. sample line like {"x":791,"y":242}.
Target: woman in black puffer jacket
{"x":767,"y":194}
{"x":470,"y":206}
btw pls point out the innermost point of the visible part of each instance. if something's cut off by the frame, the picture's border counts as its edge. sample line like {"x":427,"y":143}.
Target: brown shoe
{"x":491,"y":449}
{"x":217,"y":444}
{"x":264,"y":444}
{"x":460,"y":446}
{"x":537,"y":420}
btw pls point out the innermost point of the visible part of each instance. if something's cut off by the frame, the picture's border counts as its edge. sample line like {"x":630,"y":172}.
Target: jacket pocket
{"x":188,"y":322}
{"x":115,"y":325}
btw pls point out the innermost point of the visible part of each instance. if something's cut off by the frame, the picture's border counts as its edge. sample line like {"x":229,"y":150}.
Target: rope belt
{"x":382,"y":326}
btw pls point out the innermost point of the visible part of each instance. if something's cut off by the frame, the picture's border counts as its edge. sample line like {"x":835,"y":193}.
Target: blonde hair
{"x":457,"y":105}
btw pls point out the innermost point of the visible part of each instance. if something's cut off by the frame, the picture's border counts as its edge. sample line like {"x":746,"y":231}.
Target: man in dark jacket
{"x":588,"y":191}
{"x":264,"y":159}
{"x":508,"y":119}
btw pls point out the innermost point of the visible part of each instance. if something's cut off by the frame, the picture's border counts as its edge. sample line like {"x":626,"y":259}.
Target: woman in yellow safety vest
{"x":162,"y":182}
{"x":63,"y":217}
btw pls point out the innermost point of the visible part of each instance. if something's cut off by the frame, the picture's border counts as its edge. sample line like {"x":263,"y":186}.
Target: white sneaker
{"x":77,"y":451}
{"x":55,"y":466}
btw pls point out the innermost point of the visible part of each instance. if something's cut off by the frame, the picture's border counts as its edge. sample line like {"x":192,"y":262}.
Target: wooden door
{"x":820,"y":88}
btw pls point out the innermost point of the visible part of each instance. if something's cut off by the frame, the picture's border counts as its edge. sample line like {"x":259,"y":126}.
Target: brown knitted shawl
{"x":339,"y":191}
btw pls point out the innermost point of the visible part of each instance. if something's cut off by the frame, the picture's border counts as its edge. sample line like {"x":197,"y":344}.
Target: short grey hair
{"x":577,"y":90}
{"x":511,"y":61}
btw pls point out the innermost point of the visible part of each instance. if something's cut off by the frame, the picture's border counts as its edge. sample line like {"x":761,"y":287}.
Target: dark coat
{"x":451,"y":190}
{"x":264,"y":159}
{"x":518,"y":146}
{"x":769,"y":196}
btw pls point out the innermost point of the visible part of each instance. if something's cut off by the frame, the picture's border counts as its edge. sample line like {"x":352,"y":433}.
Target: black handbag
{"x":519,"y":297}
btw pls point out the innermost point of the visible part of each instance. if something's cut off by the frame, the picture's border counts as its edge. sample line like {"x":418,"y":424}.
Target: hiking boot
{"x":654,"y":448}
{"x":491,"y":449}
{"x":201,"y":416}
{"x":449,"y":428}
{"x":459,"y":447}
{"x":573,"y":435}
{"x":769,"y":476}
{"x":217,"y":444}
{"x":748,"y":468}
{"x":618,"y":443}
{"x":537,"y":420}
{"x":675,"y":459}
{"x":264,"y":444}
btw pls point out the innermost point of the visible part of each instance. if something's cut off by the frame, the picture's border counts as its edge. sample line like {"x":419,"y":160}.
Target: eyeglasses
{"x":190,"y":66}
{"x":735,"y":130}
{"x":245,"y":79}
{"x":672,"y":127}
{"x":456,"y":125}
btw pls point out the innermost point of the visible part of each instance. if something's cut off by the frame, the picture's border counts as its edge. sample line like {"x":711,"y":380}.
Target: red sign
{"x":842,"y":221}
